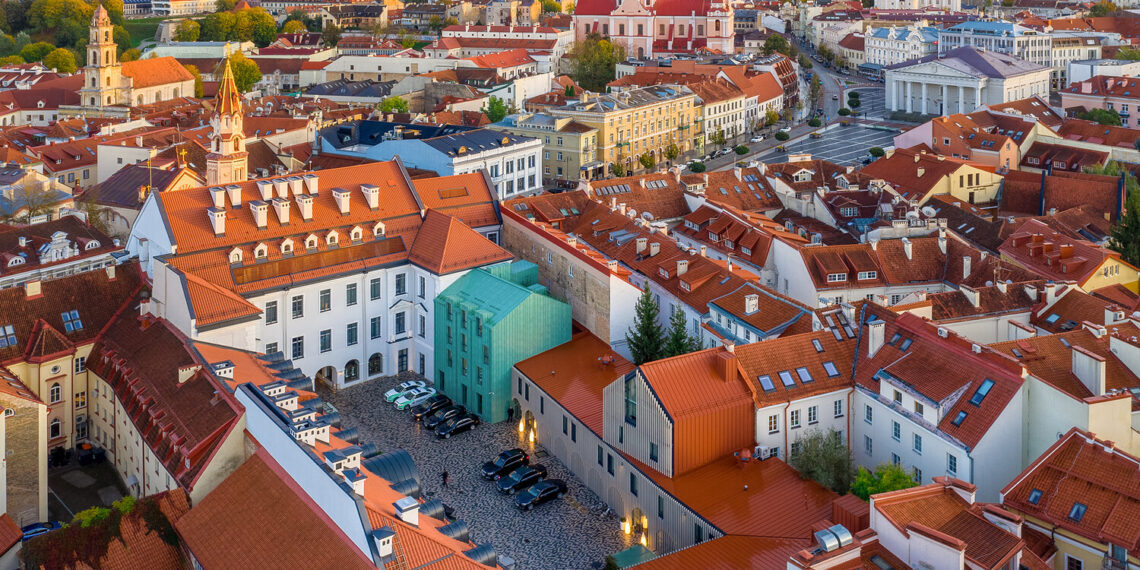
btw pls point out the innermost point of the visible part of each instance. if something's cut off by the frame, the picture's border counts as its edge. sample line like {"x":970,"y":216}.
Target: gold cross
{"x":182,"y":154}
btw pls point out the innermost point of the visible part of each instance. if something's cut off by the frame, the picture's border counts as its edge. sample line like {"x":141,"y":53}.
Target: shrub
{"x":697,"y":167}
{"x":782,"y":136}
{"x":814,"y":122}
{"x":741,"y":149}
{"x":845,"y":111}
{"x":854,"y":103}
{"x":876,"y":151}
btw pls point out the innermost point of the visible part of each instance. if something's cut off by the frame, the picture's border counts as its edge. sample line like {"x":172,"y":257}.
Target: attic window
{"x":958,"y":419}
{"x":287,"y":246}
{"x":786,"y":378}
{"x":71,"y":321}
{"x":7,"y":336}
{"x":830,"y":368}
{"x":357,"y":234}
{"x":1077,"y":512}
{"x":906,"y":344}
{"x":836,"y":277}
{"x":333,"y":238}
{"x":311,"y":242}
{"x":895,"y":339}
{"x":818,"y":346}
{"x":260,"y":251}
{"x":865,"y":275}
{"x":1051,"y":319}
{"x":983,"y":390}
{"x":378,"y":229}
{"x":1035,"y":496}
{"x":91,"y":245}
{"x":15,"y":261}
{"x":235,"y":256}
{"x":804,"y":374}
{"x":766,"y":383}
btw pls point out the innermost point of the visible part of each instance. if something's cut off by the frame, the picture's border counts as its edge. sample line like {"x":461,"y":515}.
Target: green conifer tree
{"x":646,"y":339}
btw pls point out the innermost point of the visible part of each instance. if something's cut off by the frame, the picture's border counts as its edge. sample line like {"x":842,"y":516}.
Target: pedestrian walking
{"x":446,"y":476}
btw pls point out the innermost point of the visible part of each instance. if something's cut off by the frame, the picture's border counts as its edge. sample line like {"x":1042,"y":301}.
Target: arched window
{"x":287,"y":246}
{"x":235,"y":256}
{"x":176,"y":92}
{"x":55,"y":394}
{"x":92,"y":101}
{"x":311,"y":242}
{"x":333,"y":238}
{"x":92,"y":244}
{"x":352,"y":371}
{"x":378,"y":229}
{"x":357,"y":233}
{"x":16,"y":261}
{"x":260,"y":251}
{"x":108,"y":82}
{"x":375,"y":364}
{"x":55,"y":430}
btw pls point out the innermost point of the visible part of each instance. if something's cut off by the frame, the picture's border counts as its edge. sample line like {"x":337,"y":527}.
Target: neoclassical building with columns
{"x":962,"y":80}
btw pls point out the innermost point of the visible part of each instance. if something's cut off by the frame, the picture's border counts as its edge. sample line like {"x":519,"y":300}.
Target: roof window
{"x":958,"y":419}
{"x":766,"y":383}
{"x":983,"y":390}
{"x":1077,"y":512}
{"x":1035,"y":496}
{"x":830,"y":368}
{"x":906,"y":344}
{"x":818,"y":345}
{"x":894,"y":339}
{"x":71,"y":322}
{"x":786,"y":378}
{"x":7,"y":336}
{"x":805,"y":375}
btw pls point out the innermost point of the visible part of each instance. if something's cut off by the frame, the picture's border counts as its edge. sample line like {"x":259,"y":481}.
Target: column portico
{"x":923,"y":97}
{"x":908,"y":101}
{"x":961,"y":99}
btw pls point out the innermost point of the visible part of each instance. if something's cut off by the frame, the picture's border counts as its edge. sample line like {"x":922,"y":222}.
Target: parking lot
{"x":574,"y":532}
{"x":871,"y":102}
{"x":841,"y":145}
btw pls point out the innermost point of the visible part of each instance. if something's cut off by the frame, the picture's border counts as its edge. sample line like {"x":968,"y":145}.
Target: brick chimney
{"x":1089,"y":368}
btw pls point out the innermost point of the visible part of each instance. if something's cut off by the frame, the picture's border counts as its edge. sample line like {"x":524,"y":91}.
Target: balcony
{"x":1110,"y":563}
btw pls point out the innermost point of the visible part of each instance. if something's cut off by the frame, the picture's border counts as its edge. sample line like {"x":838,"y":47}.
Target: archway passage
{"x":327,"y":377}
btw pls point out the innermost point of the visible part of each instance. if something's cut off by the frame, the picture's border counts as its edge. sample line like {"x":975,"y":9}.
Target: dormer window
{"x":661,"y":271}
{"x":378,"y":229}
{"x":728,"y":243}
{"x":836,"y":277}
{"x":261,"y":251}
{"x":287,"y":246}
{"x":93,"y":244}
{"x":333,"y":238}
{"x":235,"y":256}
{"x":712,"y":237}
{"x":864,"y":275}
{"x":311,"y":242}
{"x":802,"y":176}
{"x":848,"y":212}
{"x":15,"y":261}
{"x":685,"y":286}
{"x":357,"y":233}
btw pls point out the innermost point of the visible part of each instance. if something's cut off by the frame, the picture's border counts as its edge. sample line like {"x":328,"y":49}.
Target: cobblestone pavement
{"x":576,"y":532}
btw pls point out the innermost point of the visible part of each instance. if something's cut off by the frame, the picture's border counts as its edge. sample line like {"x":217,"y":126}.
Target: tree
{"x":66,"y":21}
{"x":199,"y":90}
{"x":1107,"y":117}
{"x":435,"y":23}
{"x":678,"y":341}
{"x":1125,"y":236}
{"x":130,"y":55}
{"x":187,"y":31}
{"x":331,"y":34}
{"x":293,"y":27}
{"x":645,"y":337}
{"x":697,"y":167}
{"x":647,"y":161}
{"x":814,"y":122}
{"x":825,"y":459}
{"x":122,"y":38}
{"x":36,"y":51}
{"x":886,"y":477}
{"x":551,"y":6}
{"x":805,"y":62}
{"x":568,"y":92}
{"x":12,"y":60}
{"x":672,"y":152}
{"x":876,"y":151}
{"x":782,"y":136}
{"x":496,"y":109}
{"x":816,"y":88}
{"x":246,"y":72}
{"x":717,"y":138}
{"x":595,"y":61}
{"x":740,"y":150}
{"x":263,"y":26}
{"x":776,"y":44}
{"x":1102,"y":8}
{"x":224,"y":5}
{"x":394,"y":104}
{"x":617,"y":169}
{"x":61,"y":60}
{"x":844,"y":112}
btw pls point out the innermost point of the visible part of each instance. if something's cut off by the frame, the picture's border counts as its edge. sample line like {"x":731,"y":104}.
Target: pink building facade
{"x":649,"y":28}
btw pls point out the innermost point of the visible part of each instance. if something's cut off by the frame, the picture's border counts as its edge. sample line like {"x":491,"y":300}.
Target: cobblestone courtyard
{"x":576,"y":532}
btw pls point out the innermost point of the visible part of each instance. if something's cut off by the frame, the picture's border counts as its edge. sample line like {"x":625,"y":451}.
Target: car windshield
{"x":518,"y":474}
{"x":501,"y":461}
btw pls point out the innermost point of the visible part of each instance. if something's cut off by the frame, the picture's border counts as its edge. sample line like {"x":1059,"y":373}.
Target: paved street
{"x":572,"y":533}
{"x":841,"y":145}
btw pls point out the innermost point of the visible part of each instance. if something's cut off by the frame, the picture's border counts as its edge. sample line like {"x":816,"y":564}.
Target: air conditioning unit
{"x":762,"y":452}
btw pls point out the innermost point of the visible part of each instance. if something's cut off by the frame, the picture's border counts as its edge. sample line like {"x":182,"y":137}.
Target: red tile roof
{"x":661,"y":194}
{"x":503,"y":59}
{"x":10,"y":533}
{"x":575,"y":373}
{"x":1079,"y":468}
{"x":1050,"y":358}
{"x":446,"y":245}
{"x":259,"y":516}
{"x":745,"y":189}
{"x":731,"y":551}
{"x":155,"y":71}
{"x":1091,"y":132}
{"x":1040,"y":249}
{"x":1022,"y":192}
{"x":913,"y":174}
{"x":852,"y":42}
{"x":468,"y":197}
{"x":1034,"y":107}
{"x":798,"y":355}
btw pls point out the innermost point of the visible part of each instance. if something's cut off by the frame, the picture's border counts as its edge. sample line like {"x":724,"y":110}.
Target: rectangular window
{"x":80,"y":365}
{"x":896,"y":431}
{"x":326,"y":340}
{"x":633,"y":484}
{"x":610,"y":464}
{"x":298,"y":306}
{"x":774,"y":423}
{"x":652,"y":451}
{"x":868,"y":413}
{"x":270,"y":347}
{"x":423,"y":326}
{"x":830,"y":368}
{"x":918,"y":408}
{"x":351,"y":334}
{"x":698,"y":532}
{"x":918,"y":475}
{"x":402,"y":362}
{"x":898,"y":397}
{"x":401,"y":283}
{"x":565,"y":425}
{"x":270,"y":312}
{"x":631,"y":400}
{"x":896,"y":459}
{"x":918,"y":444}
{"x":542,"y":404}
{"x":325,"y":300}
{"x":601,"y":456}
{"x":573,"y":432}
{"x":350,"y":294}
{"x":794,"y":422}
{"x":868,"y":445}
{"x":813,"y":415}
{"x":374,"y":327}
{"x":486,"y":354}
{"x":951,"y":464}
{"x":298,"y":347}
{"x":401,"y":323}
{"x":660,"y":507}
{"x":423,"y":287}
{"x":982,"y":391}
{"x":838,"y":408}
{"x":375,"y":286}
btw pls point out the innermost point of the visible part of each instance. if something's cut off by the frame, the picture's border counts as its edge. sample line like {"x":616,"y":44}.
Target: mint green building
{"x":485,"y":322}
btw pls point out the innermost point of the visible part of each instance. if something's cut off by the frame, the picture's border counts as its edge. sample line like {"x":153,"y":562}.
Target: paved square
{"x":576,"y":532}
{"x":841,"y":145}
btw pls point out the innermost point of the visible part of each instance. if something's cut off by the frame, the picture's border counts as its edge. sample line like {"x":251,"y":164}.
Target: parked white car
{"x":396,"y":392}
{"x":757,"y":138}
{"x":414,"y":397}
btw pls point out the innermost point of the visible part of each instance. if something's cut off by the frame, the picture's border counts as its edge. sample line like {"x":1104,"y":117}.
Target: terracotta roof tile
{"x":732,"y":552}
{"x":155,"y":71}
{"x":660,"y":194}
{"x":813,"y":370}
{"x":465,"y":196}
{"x":1044,"y":251}
{"x":10,"y":533}
{"x":259,"y":516}
{"x":1050,"y":358}
{"x":446,"y":245}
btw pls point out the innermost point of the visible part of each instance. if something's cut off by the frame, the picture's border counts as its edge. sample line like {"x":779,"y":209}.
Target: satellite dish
{"x":647,"y":216}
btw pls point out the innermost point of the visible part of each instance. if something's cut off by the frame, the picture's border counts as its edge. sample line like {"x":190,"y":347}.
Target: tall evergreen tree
{"x":677,"y":339}
{"x":646,"y":339}
{"x":1126,"y":234}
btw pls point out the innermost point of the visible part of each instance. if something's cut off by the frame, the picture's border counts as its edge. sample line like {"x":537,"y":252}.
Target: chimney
{"x":295,"y":185}
{"x":1003,"y":286}
{"x":1031,"y":292}
{"x":682,"y":266}
{"x":312,"y":183}
{"x":642,"y":244}
{"x":234,"y":192}
{"x":736,"y":172}
{"x":265,"y":188}
{"x":32,"y":289}
{"x":966,"y":261}
{"x":942,"y":241}
{"x":921,"y":171}
{"x":654,"y":248}
{"x":260,"y":210}
{"x":621,"y":208}
{"x":342,"y":197}
{"x":1089,"y":368}
{"x":110,"y":272}
{"x":1066,"y":250}
{"x":383,"y":538}
{"x":408,"y":509}
{"x":219,"y":197}
{"x":217,"y":221}
{"x":751,"y":303}
{"x":876,"y":333}
{"x":908,"y":248}
{"x":874,"y":241}
{"x":282,"y":187}
{"x":1050,"y":293}
{"x":704,"y":251}
{"x":372,"y":194}
{"x":305,"y":206}
{"x":613,"y":203}
{"x":728,"y":363}
{"x":1113,"y":315}
{"x":281,"y":207}
{"x":971,"y":295}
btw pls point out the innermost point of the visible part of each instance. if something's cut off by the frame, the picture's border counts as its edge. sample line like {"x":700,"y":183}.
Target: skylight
{"x":958,"y":419}
{"x":805,"y":375}
{"x":7,"y":336}
{"x":766,"y":383}
{"x":895,"y":339}
{"x":818,"y":346}
{"x":1053,"y":318}
{"x":906,"y":344}
{"x":983,"y":390}
{"x":1035,"y":496}
{"x":1077,"y":512}
{"x":71,"y":322}
{"x":786,"y":378}
{"x":830,"y":368}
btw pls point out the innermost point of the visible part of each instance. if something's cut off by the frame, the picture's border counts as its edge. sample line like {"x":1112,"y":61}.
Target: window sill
{"x":812,"y":423}
{"x":795,"y":427}
{"x":773,"y":432}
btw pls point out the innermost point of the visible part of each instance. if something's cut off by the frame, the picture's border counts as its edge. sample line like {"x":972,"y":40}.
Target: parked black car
{"x":457,"y":424}
{"x":506,"y":462}
{"x":433,"y":421}
{"x":539,"y":493}
{"x":521,"y":478}
{"x":430,"y":406}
